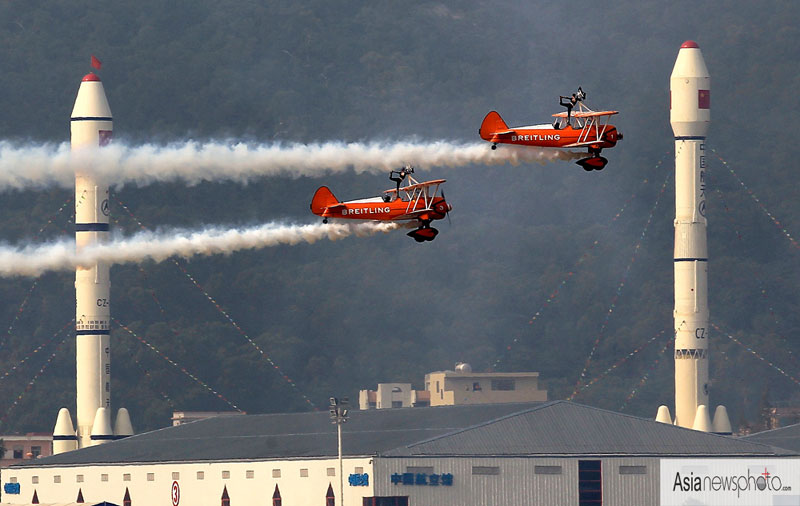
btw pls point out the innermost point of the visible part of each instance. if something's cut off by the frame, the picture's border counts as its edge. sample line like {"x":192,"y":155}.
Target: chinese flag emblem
{"x":704,"y":99}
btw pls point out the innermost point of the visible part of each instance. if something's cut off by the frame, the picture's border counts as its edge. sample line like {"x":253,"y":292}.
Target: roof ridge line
{"x":483,"y":424}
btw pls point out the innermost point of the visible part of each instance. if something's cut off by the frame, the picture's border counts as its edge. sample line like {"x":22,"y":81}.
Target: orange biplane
{"x":416,"y":201}
{"x":582,"y":128}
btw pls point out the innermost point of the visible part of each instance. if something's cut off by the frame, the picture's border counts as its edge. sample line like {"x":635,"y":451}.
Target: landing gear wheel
{"x":325,"y":220}
{"x":494,"y":146}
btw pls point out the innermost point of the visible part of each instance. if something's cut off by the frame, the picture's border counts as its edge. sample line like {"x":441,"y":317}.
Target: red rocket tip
{"x":690,"y":44}
{"x":91,"y":76}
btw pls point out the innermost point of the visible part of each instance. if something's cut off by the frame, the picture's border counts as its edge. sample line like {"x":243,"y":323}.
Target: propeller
{"x":449,"y":222}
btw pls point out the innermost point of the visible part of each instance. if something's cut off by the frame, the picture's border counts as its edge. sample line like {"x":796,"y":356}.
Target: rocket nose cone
{"x":91,"y":76}
{"x":102,"y":423}
{"x":64,"y":425}
{"x":122,"y":425}
{"x":689,"y":63}
{"x":91,"y":101}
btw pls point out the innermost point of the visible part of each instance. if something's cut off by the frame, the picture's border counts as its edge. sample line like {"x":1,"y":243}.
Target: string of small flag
{"x":643,"y":380}
{"x":758,"y":278}
{"x":18,"y":313}
{"x":563,"y":283}
{"x":36,"y":376}
{"x":758,"y":202}
{"x":618,"y":363}
{"x":153,"y":382}
{"x":26,"y":358}
{"x":175,"y":364}
{"x":620,"y":286}
{"x":228,"y":317}
{"x":756,"y":354}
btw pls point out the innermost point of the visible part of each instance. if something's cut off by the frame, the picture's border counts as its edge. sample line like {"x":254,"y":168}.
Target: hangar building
{"x":554,"y":453}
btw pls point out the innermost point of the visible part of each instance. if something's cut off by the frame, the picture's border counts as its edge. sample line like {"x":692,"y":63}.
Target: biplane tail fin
{"x":492,"y":124}
{"x":323,"y":199}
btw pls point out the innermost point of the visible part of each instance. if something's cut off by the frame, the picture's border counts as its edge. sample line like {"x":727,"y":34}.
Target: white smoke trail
{"x":34,"y":260}
{"x":38,"y":166}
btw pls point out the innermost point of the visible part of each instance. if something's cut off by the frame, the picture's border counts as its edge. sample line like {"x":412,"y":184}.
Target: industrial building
{"x":554,"y":453}
{"x":19,"y":447}
{"x":457,"y":387}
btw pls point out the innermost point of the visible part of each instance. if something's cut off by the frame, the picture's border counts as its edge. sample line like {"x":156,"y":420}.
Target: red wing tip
{"x":91,"y":76}
{"x":690,"y":44}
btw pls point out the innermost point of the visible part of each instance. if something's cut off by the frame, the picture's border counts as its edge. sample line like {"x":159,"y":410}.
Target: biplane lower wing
{"x":581,"y":144}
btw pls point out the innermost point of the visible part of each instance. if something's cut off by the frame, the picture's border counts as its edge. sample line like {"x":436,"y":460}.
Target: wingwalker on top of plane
{"x":415,"y":201}
{"x":571,"y":129}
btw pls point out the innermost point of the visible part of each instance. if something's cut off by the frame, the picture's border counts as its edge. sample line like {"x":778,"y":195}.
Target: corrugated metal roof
{"x":553,"y":428}
{"x":565,"y":428}
{"x":784,"y":437}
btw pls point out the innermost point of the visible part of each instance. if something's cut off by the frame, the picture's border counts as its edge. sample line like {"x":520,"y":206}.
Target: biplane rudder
{"x":492,"y":123}
{"x":323,"y":198}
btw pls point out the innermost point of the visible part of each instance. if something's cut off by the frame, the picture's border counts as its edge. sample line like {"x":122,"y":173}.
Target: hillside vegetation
{"x":542,"y":266}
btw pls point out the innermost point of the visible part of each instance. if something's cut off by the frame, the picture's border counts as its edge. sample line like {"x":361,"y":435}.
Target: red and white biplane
{"x":413,"y":202}
{"x":581,"y":128}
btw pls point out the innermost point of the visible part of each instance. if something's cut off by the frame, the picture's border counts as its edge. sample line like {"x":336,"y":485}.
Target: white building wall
{"x":517,"y":481}
{"x":200,"y":484}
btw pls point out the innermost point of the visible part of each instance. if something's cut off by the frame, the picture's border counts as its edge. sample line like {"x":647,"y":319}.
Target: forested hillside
{"x":545,"y":267}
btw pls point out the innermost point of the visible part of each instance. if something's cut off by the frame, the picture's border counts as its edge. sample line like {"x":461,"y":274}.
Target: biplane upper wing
{"x":585,"y":114}
{"x":415,"y":186}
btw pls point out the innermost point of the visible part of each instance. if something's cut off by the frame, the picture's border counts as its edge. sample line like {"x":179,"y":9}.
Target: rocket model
{"x":690,"y":115}
{"x":91,"y":126}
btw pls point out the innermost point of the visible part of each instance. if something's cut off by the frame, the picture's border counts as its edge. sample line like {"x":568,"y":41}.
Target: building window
{"x":385,"y":501}
{"x":632,"y":469}
{"x":359,"y":470}
{"x":503,"y":384}
{"x":373,"y":405}
{"x":397,"y":404}
{"x":590,"y":483}
{"x":476,"y":386}
{"x":103,"y":477}
{"x":226,"y":475}
{"x":250,"y":474}
{"x":36,"y":451}
{"x":151,"y":477}
{"x":79,"y":478}
{"x":546,"y":469}
{"x":396,"y":390}
{"x":437,"y":386}
{"x":276,"y":473}
{"x":304,"y":473}
{"x":331,"y":471}
{"x":176,"y":476}
{"x":57,"y":478}
{"x":17,"y":452}
{"x":126,"y":477}
{"x":485,"y":470}
{"x":13,"y":479}
{"x":34,"y":480}
{"x":201,"y":475}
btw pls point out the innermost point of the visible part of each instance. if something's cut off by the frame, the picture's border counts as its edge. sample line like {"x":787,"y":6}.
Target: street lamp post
{"x":338,"y":410}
